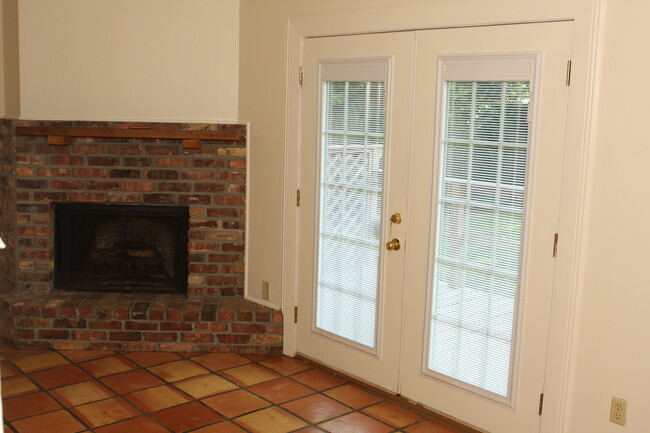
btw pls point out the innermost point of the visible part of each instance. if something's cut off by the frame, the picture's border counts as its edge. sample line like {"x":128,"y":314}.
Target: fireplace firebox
{"x":110,"y":247}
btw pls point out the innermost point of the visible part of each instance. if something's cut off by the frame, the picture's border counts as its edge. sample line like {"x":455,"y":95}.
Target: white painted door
{"x":356,"y":102}
{"x":472,"y":155}
{"x":489,"y":121}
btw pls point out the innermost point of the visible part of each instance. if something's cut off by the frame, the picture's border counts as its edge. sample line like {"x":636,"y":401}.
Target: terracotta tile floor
{"x":109,"y":392}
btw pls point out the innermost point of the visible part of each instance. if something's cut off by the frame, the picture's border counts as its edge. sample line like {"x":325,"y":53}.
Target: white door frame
{"x":577,"y":166}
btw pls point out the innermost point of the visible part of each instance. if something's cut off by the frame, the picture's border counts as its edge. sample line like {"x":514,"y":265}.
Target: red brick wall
{"x":210,"y":180}
{"x":139,"y":322}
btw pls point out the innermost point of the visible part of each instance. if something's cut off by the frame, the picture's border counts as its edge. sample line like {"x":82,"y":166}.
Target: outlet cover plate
{"x":618,"y":412}
{"x":266,"y":290}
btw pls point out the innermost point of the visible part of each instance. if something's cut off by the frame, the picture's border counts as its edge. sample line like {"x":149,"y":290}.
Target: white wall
{"x":262,"y":103}
{"x":170,"y":60}
{"x":613,"y":348}
{"x":9,"y":70}
{"x":2,"y":63}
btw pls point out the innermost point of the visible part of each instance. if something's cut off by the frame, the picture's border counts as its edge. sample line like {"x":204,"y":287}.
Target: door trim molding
{"x":588,"y":17}
{"x":574,"y":220}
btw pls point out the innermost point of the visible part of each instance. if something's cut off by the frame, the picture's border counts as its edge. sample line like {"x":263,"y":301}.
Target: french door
{"x":356,"y":125}
{"x":430,"y":180}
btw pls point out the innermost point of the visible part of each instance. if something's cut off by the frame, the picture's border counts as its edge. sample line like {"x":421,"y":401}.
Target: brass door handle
{"x":394,"y":245}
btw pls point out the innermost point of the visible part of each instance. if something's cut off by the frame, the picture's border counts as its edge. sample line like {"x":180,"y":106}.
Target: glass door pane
{"x":479,"y":232}
{"x":351,"y":191}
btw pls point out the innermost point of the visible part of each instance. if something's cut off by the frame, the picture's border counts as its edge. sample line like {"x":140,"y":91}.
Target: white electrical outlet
{"x":266,"y":290}
{"x":618,"y":412}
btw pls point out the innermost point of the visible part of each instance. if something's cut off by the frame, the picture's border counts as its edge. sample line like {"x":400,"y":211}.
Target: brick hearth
{"x":140,"y":322}
{"x":209,"y":179}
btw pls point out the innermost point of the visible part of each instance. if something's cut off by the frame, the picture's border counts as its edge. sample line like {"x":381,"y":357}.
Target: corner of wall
{"x":7,"y":210}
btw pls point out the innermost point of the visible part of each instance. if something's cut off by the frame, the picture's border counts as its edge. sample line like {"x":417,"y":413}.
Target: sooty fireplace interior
{"x":120,"y":247}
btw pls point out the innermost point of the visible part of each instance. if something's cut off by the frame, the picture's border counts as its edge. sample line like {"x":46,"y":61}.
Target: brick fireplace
{"x":38,"y":169}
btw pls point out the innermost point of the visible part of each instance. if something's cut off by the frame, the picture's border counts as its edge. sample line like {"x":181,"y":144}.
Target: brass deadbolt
{"x":396,"y":218}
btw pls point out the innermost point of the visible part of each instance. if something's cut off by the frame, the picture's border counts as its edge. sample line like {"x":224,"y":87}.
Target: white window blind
{"x":479,"y":231}
{"x":351,"y":187}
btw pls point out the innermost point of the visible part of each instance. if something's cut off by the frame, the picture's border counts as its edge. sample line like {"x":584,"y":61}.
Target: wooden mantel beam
{"x":190,"y":137}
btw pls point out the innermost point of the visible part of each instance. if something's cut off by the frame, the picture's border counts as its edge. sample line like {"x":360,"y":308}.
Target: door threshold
{"x":395,"y":398}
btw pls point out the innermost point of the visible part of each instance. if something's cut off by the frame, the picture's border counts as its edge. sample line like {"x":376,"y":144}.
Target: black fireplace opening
{"x":110,"y":247}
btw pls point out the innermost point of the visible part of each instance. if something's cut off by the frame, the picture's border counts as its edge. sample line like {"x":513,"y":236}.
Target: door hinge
{"x":568,"y":72}
{"x":541,"y":403}
{"x":295,"y":314}
{"x":555,"y":238}
{"x":300,"y":75}
{"x":297,"y":198}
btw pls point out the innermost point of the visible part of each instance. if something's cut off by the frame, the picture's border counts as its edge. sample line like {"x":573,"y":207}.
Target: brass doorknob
{"x":394,"y":245}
